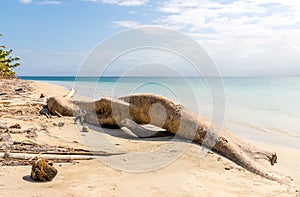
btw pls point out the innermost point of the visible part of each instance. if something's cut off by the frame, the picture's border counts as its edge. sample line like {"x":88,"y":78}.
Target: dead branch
{"x":178,"y":120}
{"x":27,"y":156}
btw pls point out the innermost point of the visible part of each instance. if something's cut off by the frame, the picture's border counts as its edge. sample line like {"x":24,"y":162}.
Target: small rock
{"x":239,"y":169}
{"x":31,"y":133}
{"x":85,"y":129}
{"x":228,"y":168}
{"x":61,"y":124}
{"x":42,"y":96}
{"x":43,"y":171}
{"x":274,"y":159}
{"x":15,"y":126}
{"x":18,"y":89}
{"x":80,"y":117}
{"x":45,"y":112}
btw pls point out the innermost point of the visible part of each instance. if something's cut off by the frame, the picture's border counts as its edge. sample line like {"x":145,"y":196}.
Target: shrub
{"x":7,"y":62}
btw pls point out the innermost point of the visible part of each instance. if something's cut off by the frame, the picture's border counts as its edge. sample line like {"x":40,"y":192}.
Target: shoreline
{"x":194,"y":176}
{"x":253,"y":132}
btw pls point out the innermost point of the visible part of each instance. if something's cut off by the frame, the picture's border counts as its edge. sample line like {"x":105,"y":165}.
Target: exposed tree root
{"x":164,"y":113}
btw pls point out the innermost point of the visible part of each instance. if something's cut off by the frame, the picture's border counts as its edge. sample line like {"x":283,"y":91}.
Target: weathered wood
{"x":141,"y":131}
{"x":19,"y":131}
{"x":58,"y":114}
{"x":28,"y":150}
{"x":27,"y":156}
{"x":23,"y":154}
{"x":26,"y":103}
{"x":176,"y":119}
{"x":71,"y":93}
{"x":43,"y":171}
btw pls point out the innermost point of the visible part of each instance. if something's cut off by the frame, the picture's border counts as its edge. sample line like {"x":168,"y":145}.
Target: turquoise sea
{"x":261,"y":109}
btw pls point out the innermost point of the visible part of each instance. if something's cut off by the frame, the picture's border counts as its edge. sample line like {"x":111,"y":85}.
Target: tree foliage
{"x":7,"y":62}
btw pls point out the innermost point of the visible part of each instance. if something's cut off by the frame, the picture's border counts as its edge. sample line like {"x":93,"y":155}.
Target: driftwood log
{"x":25,"y":152}
{"x":56,"y":156}
{"x":162,"y":112}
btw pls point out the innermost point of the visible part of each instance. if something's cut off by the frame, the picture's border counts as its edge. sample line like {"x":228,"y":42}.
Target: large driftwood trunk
{"x":162,"y":112}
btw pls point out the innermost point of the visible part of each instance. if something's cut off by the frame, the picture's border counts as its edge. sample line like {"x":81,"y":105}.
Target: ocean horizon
{"x":264,"y":109}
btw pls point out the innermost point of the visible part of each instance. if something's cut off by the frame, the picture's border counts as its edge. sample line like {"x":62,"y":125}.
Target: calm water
{"x":263,"y":109}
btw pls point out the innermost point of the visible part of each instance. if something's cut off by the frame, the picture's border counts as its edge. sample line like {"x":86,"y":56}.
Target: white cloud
{"x":132,"y":2}
{"x":241,"y":34}
{"x":121,"y":2}
{"x":126,"y":24}
{"x":25,"y":1}
{"x":50,"y":2}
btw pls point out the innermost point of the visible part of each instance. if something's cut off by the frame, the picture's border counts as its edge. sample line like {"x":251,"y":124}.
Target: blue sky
{"x":244,"y":38}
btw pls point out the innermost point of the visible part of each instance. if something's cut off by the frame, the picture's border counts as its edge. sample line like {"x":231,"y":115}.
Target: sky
{"x":242,"y":37}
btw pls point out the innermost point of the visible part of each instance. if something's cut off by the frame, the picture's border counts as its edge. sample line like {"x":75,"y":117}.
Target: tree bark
{"x":164,"y":113}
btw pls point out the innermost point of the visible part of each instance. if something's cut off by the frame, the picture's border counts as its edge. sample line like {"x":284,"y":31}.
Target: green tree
{"x":7,"y":62}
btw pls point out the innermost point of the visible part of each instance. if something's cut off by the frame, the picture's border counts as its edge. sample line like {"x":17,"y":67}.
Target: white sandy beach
{"x":189,"y":175}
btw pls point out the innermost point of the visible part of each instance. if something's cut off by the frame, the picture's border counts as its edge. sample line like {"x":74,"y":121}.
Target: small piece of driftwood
{"x":43,"y":171}
{"x":71,"y":93}
{"x":58,"y":114}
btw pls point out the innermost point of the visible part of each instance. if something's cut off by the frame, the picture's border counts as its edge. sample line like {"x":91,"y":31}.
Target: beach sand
{"x":189,"y":175}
